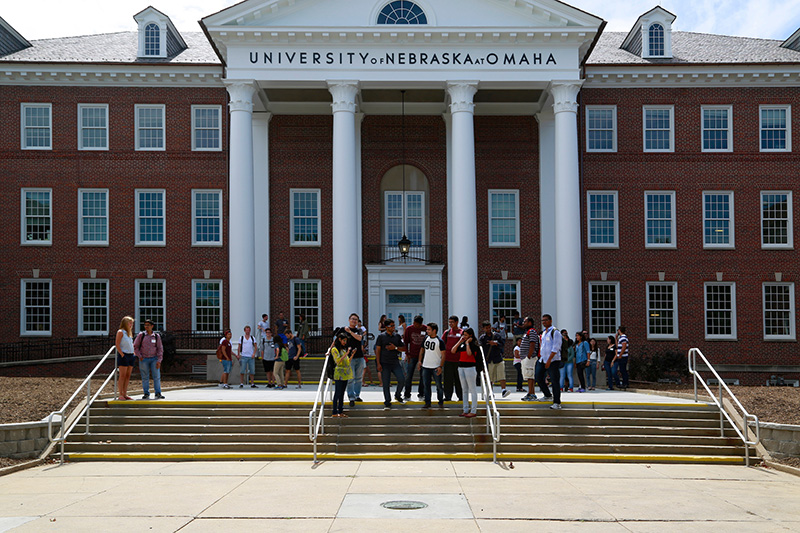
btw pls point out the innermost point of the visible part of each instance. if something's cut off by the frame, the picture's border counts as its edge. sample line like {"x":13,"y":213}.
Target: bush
{"x":670,"y":364}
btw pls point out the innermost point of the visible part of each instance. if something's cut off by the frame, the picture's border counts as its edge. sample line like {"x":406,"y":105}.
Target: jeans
{"x":425,"y":380}
{"x":582,"y":374}
{"x":518,"y":366}
{"x":554,"y":372}
{"x":147,"y":366}
{"x":354,"y":385}
{"x":607,"y":366}
{"x":411,"y":365}
{"x":451,"y":380}
{"x":386,"y":376}
{"x":338,"y":395}
{"x":248,"y":367}
{"x":621,"y":372}
{"x":468,"y":375}
{"x":566,"y":371}
{"x":591,"y":374}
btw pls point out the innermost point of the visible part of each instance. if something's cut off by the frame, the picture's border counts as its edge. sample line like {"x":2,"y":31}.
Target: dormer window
{"x":158,"y":37}
{"x":656,"y":40}
{"x":402,"y":12}
{"x":152,"y":40}
{"x":651,"y":36}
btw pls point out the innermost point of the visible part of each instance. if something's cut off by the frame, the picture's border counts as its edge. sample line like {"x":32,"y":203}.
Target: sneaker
{"x":519,"y":389}
{"x":581,"y":390}
{"x":407,"y":398}
{"x":543,"y":399}
{"x":241,"y":385}
{"x":400,"y":400}
{"x":570,"y":390}
{"x":146,"y":397}
{"x":226,"y":386}
{"x":299,"y":387}
{"x":555,"y":406}
{"x":505,"y":393}
{"x":426,"y":406}
{"x":529,"y":398}
{"x":463,"y":414}
{"x":352,"y":403}
{"x":470,"y":415}
{"x":420,"y":396}
{"x":221,"y":385}
{"x":253,"y":386}
{"x":359,"y":400}
{"x":159,"y":396}
{"x":387,"y":407}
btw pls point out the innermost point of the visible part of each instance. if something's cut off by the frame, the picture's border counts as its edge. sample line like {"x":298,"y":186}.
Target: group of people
{"x":146,"y":350}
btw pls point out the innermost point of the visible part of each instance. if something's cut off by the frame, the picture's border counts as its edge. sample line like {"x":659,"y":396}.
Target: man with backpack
{"x":295,"y":347}
{"x":150,"y":351}
{"x":246,"y":354}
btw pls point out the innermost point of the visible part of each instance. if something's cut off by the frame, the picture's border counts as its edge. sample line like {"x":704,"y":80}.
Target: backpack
{"x":221,"y":352}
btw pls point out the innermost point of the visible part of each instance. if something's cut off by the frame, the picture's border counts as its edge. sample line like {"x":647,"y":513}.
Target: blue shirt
{"x":582,"y":352}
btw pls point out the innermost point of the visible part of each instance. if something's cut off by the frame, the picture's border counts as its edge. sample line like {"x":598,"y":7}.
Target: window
{"x":37,"y":216}
{"x":718,"y":219}
{"x":601,"y":128}
{"x":717,"y":128}
{"x":659,"y":209}
{"x":150,"y":217}
{"x":36,"y":306}
{"x":656,"y":40}
{"x":720,"y":308}
{"x":402,"y":12}
{"x":92,"y":217}
{"x":775,"y":125}
{"x":152,"y":40}
{"x":662,"y":311}
{"x":414,"y":212}
{"x":37,"y":127}
{"x":149,"y":127}
{"x":659,"y":129}
{"x":207,"y":305}
{"x":151,"y":302}
{"x":602,"y":219}
{"x":305,"y":209}
{"x":206,"y":127}
{"x":603,"y":307}
{"x":92,"y":127}
{"x":207,"y":218}
{"x":503,"y":218}
{"x":92,"y":307}
{"x":779,"y":318}
{"x":306,"y":302}
{"x":505,"y":299}
{"x":776,"y":219}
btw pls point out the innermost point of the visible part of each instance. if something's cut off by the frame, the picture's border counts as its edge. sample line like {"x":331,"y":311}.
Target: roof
{"x":695,"y":48}
{"x":111,"y":48}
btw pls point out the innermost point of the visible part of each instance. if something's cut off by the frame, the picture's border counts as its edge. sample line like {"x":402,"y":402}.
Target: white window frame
{"x":195,"y":242}
{"x":82,"y":242}
{"x":139,"y":107}
{"x":674,"y":286}
{"x":425,"y":217}
{"x":22,"y":321}
{"x":733,"y":334}
{"x":305,"y":244}
{"x":194,"y":304}
{"x":732,"y":243}
{"x":218,"y":128}
{"x":515,"y":243}
{"x":589,"y":220}
{"x":136,"y":216}
{"x":81,"y":107}
{"x":792,"y":316}
{"x":81,"y":283}
{"x":161,"y":327}
{"x":671,"y":109}
{"x":518,"y":285}
{"x":616,"y":284}
{"x":613,"y":108}
{"x":22,"y":109}
{"x":292,"y":308}
{"x":729,"y":109}
{"x":788,"y":109}
{"x":23,"y":215}
{"x":673,"y":237}
{"x":789,"y":215}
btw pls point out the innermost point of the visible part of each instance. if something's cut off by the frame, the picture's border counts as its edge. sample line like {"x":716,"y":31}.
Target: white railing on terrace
{"x":316,"y":417}
{"x":61,"y":413}
{"x":743,"y":433}
{"x":492,"y":413}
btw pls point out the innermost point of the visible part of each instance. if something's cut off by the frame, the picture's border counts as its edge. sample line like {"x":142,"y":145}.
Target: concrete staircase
{"x":582,"y":432}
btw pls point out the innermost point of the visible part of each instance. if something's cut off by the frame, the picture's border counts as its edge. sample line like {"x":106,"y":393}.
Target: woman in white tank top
{"x":125,"y":355}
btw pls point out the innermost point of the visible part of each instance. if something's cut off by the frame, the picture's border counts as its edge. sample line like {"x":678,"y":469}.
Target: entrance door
{"x":406,"y":303}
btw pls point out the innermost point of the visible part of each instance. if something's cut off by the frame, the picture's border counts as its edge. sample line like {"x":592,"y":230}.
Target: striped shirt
{"x":529,"y":347}
{"x":622,"y":338}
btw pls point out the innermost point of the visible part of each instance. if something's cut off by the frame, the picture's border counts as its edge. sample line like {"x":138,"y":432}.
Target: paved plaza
{"x":289,"y":496}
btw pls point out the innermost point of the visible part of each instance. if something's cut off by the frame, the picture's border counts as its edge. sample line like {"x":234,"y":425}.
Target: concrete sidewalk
{"x":290,"y":496}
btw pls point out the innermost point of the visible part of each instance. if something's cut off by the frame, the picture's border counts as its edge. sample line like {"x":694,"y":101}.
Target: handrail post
{"x":88,"y":404}
{"x":116,"y":377}
{"x":693,"y":363}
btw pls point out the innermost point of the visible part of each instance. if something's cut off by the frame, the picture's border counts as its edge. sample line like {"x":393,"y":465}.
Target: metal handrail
{"x":743,"y":434}
{"x":492,"y":413}
{"x":316,"y":417}
{"x":64,"y":433}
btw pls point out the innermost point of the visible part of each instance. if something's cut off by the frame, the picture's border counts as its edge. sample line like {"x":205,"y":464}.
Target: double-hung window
{"x":775,"y":128}
{"x":150,"y":127}
{"x":150,"y":217}
{"x":304,"y":207}
{"x":305,"y":294}
{"x":603,"y":307}
{"x":662,"y":310}
{"x":92,"y":217}
{"x":601,"y":128}
{"x":718,"y":219}
{"x":776,"y":219}
{"x":36,"y":308}
{"x":779,"y":317}
{"x":207,"y":305}
{"x":151,"y":301}
{"x":659,"y":215}
{"x":206,"y":128}
{"x":720,"y":310}
{"x":659,"y":128}
{"x":92,"y":126}
{"x":37,"y":216}
{"x":37,"y":126}
{"x":92,"y":307}
{"x":717,"y":128}
{"x":412,"y":207}
{"x":206,"y":217}
{"x":503,"y":218}
{"x":504,"y":299}
{"x":602,"y":218}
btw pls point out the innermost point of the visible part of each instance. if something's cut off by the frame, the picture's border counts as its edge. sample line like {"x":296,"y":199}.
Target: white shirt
{"x":434,"y":356}
{"x":248,"y":346}
{"x":551,"y":342}
{"x":516,"y":355}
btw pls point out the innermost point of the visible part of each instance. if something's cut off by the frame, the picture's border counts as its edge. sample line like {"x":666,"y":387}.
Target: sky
{"x":768,"y":19}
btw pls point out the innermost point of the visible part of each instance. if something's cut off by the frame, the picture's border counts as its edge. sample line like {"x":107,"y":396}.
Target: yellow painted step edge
{"x":453,"y":404}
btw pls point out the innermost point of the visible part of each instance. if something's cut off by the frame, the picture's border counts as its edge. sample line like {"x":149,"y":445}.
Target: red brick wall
{"x":121,"y":169}
{"x":688,"y":172}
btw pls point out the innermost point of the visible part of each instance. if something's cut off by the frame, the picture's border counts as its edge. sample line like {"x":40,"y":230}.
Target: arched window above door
{"x":402,"y":12}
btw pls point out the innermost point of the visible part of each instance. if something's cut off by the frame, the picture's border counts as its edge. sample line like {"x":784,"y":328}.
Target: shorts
{"x":127,"y":359}
{"x":248,"y":365}
{"x":269,"y":366}
{"x":293,"y":364}
{"x":529,"y":367}
{"x":226,"y":366}
{"x":497,"y":372}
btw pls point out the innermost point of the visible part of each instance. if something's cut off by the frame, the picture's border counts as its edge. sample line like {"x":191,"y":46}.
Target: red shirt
{"x":451,"y":338}
{"x":413,"y":338}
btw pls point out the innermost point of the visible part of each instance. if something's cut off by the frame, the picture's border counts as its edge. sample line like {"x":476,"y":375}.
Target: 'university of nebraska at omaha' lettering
{"x":514,"y":59}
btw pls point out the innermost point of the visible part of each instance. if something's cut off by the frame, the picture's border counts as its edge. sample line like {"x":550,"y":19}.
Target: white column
{"x":359,"y":232}
{"x":261,"y":210}
{"x":347,"y":256}
{"x":463,"y":270}
{"x":547,"y":211}
{"x":448,"y":128}
{"x":241,"y":216}
{"x":569,"y":279}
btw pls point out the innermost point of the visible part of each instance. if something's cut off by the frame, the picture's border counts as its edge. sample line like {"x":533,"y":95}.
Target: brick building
{"x":272,"y":163}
